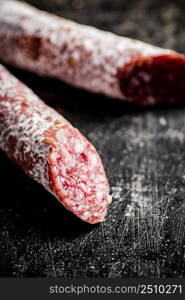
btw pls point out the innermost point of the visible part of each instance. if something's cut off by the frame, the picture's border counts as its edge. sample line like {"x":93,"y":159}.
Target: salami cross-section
{"x":51,"y":151}
{"x":89,"y":58}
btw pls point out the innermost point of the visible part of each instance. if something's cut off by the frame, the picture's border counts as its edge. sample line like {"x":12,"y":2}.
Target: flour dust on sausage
{"x":51,"y":151}
{"x":86,"y":57}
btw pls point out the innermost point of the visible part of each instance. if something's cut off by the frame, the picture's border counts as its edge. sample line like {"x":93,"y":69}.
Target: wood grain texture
{"x":143,"y":151}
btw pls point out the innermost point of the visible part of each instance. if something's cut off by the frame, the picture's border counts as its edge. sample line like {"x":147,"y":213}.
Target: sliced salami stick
{"x":51,"y":151}
{"x":89,"y":58}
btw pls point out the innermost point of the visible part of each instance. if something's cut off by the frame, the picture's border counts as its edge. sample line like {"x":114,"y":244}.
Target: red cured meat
{"x":89,"y":58}
{"x":155,"y":79}
{"x":51,"y":151}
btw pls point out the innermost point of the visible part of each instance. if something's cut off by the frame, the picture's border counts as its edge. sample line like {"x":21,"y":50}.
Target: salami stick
{"x":89,"y":58}
{"x":51,"y":151}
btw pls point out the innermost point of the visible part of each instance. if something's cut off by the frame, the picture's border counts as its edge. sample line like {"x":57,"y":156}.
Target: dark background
{"x":143,"y":151}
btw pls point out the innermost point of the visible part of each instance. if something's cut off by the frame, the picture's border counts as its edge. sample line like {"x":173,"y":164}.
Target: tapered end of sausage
{"x":77,"y":176}
{"x":156,"y":79}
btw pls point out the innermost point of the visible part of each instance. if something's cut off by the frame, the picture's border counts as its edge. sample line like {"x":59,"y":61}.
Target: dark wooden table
{"x":143,"y":151}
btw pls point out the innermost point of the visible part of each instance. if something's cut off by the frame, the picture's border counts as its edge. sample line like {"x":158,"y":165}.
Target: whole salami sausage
{"x":51,"y":151}
{"x":89,"y":58}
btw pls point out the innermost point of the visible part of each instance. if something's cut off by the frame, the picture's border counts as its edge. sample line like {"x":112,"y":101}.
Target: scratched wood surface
{"x":143,"y":151}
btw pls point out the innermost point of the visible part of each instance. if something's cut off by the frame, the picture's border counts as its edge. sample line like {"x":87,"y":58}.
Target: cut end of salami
{"x":156,"y":79}
{"x":51,"y":151}
{"x":76,"y":175}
